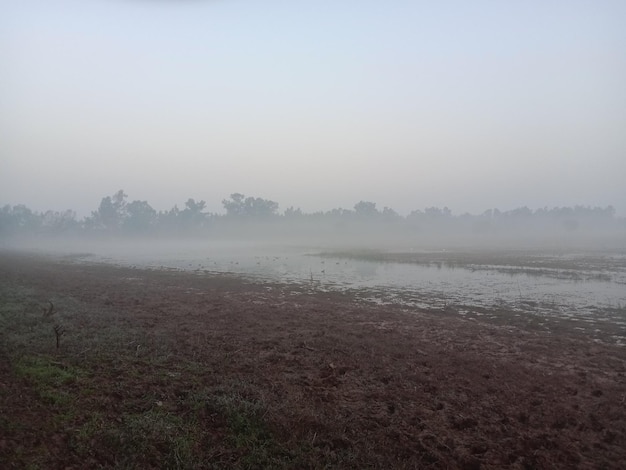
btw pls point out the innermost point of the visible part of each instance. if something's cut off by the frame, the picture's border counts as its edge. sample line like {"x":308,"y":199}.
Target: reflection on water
{"x":596,"y":294}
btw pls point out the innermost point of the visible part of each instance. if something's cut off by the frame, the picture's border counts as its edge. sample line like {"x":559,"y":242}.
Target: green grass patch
{"x":46,"y":373}
{"x":51,"y":380}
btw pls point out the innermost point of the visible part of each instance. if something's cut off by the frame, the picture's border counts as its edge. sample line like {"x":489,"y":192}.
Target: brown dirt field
{"x":235,"y":374}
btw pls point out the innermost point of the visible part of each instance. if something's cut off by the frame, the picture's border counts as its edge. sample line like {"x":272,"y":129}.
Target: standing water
{"x":588,"y":288}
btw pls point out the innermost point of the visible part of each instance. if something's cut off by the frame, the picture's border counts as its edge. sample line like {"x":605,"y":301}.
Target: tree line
{"x":118,"y":216}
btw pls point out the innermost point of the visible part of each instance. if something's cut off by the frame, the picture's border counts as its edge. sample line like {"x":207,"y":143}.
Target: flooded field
{"x":586,"y":288}
{"x":303,"y":377}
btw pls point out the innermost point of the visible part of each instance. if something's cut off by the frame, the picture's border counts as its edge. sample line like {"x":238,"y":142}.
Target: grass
{"x":143,"y":425}
{"x":45,"y":373}
{"x":154,"y":438}
{"x":51,"y":380}
{"x":163,"y":374}
{"x":247,"y":429}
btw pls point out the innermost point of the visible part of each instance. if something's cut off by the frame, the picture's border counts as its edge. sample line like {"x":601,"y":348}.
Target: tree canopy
{"x":116,"y":216}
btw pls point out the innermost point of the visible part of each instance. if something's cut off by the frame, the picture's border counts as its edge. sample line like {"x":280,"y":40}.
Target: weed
{"x":59,"y":331}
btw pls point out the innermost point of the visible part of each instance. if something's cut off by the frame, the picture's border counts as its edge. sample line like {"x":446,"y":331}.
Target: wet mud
{"x":343,"y":383}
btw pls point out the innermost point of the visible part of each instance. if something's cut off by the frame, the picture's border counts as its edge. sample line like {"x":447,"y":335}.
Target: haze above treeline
{"x":315,"y":104}
{"x":249,"y":217}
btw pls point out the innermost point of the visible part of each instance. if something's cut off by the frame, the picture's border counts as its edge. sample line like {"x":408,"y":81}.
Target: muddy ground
{"x":161,"y":369}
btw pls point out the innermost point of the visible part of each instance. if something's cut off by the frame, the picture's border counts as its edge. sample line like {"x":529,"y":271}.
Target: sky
{"x":314,"y":104}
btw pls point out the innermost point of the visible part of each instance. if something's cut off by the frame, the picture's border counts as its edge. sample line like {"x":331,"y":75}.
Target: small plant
{"x":59,"y":331}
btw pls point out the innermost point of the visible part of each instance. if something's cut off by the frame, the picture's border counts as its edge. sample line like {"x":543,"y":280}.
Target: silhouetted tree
{"x":59,"y":222}
{"x":111,"y":212}
{"x":436,"y":213}
{"x":235,"y":206}
{"x":168,"y":221}
{"x":390,"y":215}
{"x":18,"y":219}
{"x":192,"y":217}
{"x":292,"y":213}
{"x":140,"y":217}
{"x":240,"y":206}
{"x":365,"y":209}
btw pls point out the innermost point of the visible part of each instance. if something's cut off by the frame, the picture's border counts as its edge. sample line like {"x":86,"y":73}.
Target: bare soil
{"x":162,"y":369}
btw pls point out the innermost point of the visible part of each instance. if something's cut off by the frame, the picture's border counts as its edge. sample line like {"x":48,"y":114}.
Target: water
{"x":593,"y":293}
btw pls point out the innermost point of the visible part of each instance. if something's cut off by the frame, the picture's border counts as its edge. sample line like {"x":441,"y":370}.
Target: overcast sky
{"x":316,"y":104}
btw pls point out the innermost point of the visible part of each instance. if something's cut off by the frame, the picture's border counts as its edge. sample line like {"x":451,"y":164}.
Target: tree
{"x":390,"y":215}
{"x":168,"y":220}
{"x":18,"y":219}
{"x":111,"y":212}
{"x":59,"y":222}
{"x":141,"y":217}
{"x":194,"y":207}
{"x":291,"y":213}
{"x":192,"y":216}
{"x":235,"y":206}
{"x":365,"y":209}
{"x":240,"y":206}
{"x":436,"y":213}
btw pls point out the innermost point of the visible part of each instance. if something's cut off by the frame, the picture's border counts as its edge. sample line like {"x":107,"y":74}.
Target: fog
{"x":313,"y":233}
{"x":317,"y":105}
{"x":365,"y":225}
{"x":567,"y":262}
{"x":402,"y":140}
{"x":573,"y":272}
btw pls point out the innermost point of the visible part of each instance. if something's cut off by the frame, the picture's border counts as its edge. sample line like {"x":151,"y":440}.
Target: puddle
{"x":584,"y":287}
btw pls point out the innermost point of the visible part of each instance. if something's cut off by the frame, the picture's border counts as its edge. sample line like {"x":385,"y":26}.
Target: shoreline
{"x":592,"y":311}
{"x":318,"y":378}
